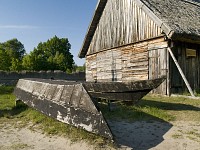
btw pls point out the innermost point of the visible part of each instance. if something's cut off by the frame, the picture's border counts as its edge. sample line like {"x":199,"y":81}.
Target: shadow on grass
{"x":133,"y":128}
{"x":10,"y":113}
{"x":140,"y":135}
{"x":168,"y":105}
{"x":6,"y":89}
{"x":144,"y":125}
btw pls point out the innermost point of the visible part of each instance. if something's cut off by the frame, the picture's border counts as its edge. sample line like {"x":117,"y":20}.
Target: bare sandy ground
{"x":128,"y":135}
{"x":157,"y":135}
{"x":26,"y":139}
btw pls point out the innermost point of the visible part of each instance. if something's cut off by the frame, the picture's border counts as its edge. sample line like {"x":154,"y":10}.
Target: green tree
{"x":11,"y":55}
{"x":14,"y":48}
{"x":4,"y":61}
{"x":16,"y":65}
{"x":79,"y":68}
{"x":59,"y":60}
{"x":51,"y":55}
{"x":27,"y":63}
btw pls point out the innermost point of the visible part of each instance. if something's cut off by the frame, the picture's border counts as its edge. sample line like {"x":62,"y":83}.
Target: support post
{"x":168,"y":74}
{"x":181,"y":72}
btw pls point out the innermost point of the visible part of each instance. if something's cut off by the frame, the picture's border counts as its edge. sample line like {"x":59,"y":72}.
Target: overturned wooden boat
{"x":75,"y":103}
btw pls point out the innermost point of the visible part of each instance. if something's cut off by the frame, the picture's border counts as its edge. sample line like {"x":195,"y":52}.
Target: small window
{"x":191,"y":52}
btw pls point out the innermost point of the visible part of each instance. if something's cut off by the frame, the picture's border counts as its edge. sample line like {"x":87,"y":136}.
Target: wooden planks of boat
{"x":123,"y":91}
{"x":75,"y":103}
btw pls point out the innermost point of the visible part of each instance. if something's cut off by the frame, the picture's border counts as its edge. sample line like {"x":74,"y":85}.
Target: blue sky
{"x":34,"y":21}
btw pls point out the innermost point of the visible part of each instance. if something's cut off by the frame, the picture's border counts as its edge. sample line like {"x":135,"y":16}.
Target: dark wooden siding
{"x":190,"y":66}
{"x":125,"y":63}
{"x":122,"y":22}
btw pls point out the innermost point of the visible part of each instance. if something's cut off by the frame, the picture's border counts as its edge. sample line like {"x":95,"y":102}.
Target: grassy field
{"x":149,"y":109}
{"x":154,"y":107}
{"x":21,"y":115}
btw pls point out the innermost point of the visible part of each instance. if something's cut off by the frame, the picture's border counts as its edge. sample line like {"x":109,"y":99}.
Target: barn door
{"x":192,"y":64}
{"x":158,"y":64}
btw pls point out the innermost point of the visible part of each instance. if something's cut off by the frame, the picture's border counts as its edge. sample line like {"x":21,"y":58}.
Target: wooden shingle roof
{"x":182,"y":16}
{"x":179,"y":19}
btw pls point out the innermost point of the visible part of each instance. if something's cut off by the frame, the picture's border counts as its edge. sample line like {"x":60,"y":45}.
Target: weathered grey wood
{"x":119,"y":50}
{"x":73,"y":102}
{"x":181,"y":72}
{"x":125,"y":63}
{"x":122,"y":23}
{"x":132,"y":96}
{"x":189,"y":66}
{"x":119,"y":87}
{"x":128,"y":91}
{"x":158,"y":64}
{"x":65,"y":101}
{"x":93,"y":25}
{"x":168,"y":75}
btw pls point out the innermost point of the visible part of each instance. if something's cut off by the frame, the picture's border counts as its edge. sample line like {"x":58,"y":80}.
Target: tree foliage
{"x":11,"y":55}
{"x":14,"y":48}
{"x":16,"y":65}
{"x":79,"y":68}
{"x":51,"y":55}
{"x":4,"y":60}
{"x":54,"y":54}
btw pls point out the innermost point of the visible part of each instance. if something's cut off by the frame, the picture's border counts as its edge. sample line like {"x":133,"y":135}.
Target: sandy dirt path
{"x":26,"y":139}
{"x":157,"y":135}
{"x":129,"y":135}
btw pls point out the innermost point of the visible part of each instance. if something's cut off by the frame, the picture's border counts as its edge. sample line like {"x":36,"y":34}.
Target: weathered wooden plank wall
{"x":159,"y":65}
{"x":91,"y":68}
{"x":122,"y":22}
{"x":135,"y":62}
{"x":126,"y":63}
{"x":190,"y":66}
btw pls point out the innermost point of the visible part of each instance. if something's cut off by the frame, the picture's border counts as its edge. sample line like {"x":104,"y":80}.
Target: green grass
{"x":177,"y":108}
{"x":16,"y":146}
{"x":51,"y":126}
{"x":177,"y":136}
{"x":7,"y":102}
{"x":136,"y":113}
{"x":159,"y":108}
{"x":6,"y":89}
{"x":21,"y":115}
{"x":150,"y":108}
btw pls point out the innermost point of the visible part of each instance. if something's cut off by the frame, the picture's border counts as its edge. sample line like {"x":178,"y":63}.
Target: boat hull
{"x":67,"y":102}
{"x":75,"y":103}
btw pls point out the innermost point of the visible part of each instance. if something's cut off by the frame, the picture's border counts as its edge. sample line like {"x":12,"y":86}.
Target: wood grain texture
{"x":125,"y":63}
{"x":122,"y":22}
{"x":189,"y":65}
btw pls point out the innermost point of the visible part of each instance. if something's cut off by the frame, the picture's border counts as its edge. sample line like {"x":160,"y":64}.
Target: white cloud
{"x":18,"y":27}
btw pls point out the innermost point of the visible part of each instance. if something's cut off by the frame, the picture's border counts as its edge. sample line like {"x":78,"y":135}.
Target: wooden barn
{"x":131,"y":40}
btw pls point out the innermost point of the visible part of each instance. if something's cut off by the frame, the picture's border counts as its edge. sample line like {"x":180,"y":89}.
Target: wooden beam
{"x":181,"y":72}
{"x":168,"y":75}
